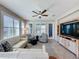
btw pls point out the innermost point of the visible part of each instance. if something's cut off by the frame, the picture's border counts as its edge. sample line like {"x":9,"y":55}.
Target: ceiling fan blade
{"x":35,"y":12}
{"x":44,"y":11}
{"x":44,"y":15}
{"x":34,"y":15}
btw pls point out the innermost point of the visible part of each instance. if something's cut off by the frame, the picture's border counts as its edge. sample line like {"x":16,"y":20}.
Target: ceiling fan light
{"x":39,"y":16}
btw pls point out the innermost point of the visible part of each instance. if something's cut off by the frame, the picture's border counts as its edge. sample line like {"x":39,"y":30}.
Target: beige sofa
{"x":24,"y":55}
{"x":21,"y":53}
{"x":20,"y":44}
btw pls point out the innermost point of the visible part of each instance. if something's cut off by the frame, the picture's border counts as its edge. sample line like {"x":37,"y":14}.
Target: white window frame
{"x":13,"y":35}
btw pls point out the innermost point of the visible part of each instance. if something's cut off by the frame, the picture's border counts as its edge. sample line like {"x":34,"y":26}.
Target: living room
{"x":37,"y":29}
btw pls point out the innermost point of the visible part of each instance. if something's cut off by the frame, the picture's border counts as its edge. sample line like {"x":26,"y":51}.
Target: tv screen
{"x":70,"y":29}
{"x":77,"y":29}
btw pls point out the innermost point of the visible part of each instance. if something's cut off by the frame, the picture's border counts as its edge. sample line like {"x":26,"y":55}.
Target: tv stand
{"x":69,"y":38}
{"x":70,"y":43}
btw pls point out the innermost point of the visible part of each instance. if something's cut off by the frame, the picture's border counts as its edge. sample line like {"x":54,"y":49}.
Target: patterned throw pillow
{"x":7,"y":46}
{"x":1,"y":48}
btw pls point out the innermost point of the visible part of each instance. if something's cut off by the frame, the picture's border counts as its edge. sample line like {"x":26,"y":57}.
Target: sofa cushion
{"x":7,"y":47}
{"x":1,"y":48}
{"x":20,"y":44}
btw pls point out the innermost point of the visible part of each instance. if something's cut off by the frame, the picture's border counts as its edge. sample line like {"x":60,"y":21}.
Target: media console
{"x":70,"y":44}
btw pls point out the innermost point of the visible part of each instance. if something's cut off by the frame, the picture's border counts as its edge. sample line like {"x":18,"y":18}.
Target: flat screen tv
{"x":70,"y":29}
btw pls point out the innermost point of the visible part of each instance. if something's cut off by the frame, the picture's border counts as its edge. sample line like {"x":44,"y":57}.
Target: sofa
{"x":24,"y":55}
{"x":19,"y":52}
{"x":20,"y":44}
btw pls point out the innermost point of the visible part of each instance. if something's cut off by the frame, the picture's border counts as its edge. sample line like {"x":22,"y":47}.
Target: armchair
{"x":43,"y":38}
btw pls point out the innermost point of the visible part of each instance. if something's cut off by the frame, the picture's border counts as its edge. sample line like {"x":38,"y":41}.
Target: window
{"x":10,"y":27}
{"x":43,"y":28}
{"x":22,"y":27}
{"x":40,"y":28}
{"x":16,"y":27}
{"x":30,"y":28}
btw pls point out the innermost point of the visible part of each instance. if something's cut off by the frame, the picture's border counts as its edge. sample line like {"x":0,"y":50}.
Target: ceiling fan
{"x":40,"y":13}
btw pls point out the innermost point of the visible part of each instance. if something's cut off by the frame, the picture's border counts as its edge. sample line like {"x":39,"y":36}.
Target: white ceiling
{"x":24,"y":8}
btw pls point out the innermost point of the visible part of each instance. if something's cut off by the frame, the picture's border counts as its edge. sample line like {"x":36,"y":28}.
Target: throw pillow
{"x":7,"y":46}
{"x":1,"y":48}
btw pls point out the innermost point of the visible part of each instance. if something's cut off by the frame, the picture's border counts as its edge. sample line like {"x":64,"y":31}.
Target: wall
{"x":5,"y":11}
{"x":56,"y":37}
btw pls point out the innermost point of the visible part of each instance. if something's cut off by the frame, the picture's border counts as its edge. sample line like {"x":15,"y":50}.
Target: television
{"x":70,"y":29}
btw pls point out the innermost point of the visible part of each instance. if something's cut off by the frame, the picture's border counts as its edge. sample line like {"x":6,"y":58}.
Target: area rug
{"x":37,"y":46}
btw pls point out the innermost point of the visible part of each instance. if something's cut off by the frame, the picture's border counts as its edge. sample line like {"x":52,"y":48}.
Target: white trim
{"x":72,"y":11}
